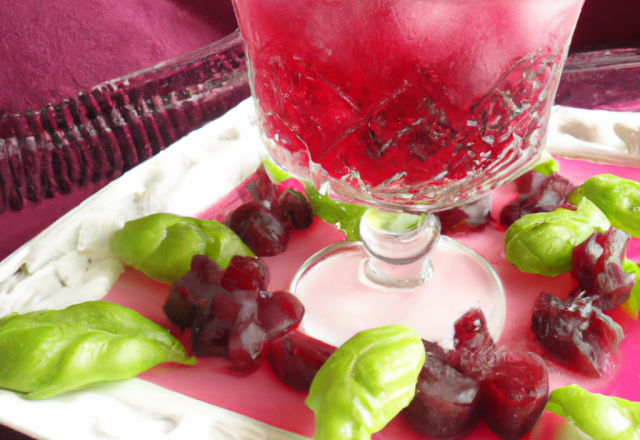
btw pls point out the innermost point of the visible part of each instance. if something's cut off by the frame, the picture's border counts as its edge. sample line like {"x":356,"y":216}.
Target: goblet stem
{"x":398,"y":246}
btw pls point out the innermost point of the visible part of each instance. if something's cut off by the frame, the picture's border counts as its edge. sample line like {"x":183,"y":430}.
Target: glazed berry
{"x":227,"y":318}
{"x":446,"y":401}
{"x":192,"y":294}
{"x":513,"y":395}
{"x":474,"y":348}
{"x":577,"y":334}
{"x":597,"y":265}
{"x":293,"y":209}
{"x":539,"y":193}
{"x":259,"y":229}
{"x":467,"y":218}
{"x":296,"y":358}
{"x":261,"y":188}
{"x":245,"y":273}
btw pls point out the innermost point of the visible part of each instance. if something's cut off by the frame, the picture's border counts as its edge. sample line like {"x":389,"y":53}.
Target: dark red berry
{"x":468,"y":218}
{"x":544,"y":194}
{"x":259,"y":229}
{"x":446,"y":401}
{"x":206,"y":269}
{"x":513,"y":395}
{"x":597,"y":265}
{"x":245,"y":273}
{"x":577,"y":334}
{"x":293,"y":209}
{"x":474,"y":349}
{"x":192,"y":294}
{"x":296,"y":358}
{"x":261,"y":188}
{"x":237,"y":321}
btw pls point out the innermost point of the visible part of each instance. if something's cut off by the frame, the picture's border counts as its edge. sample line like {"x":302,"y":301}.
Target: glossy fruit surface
{"x":538,"y":193}
{"x":259,"y":229}
{"x":446,"y":401}
{"x":513,"y":395}
{"x":577,"y":334}
{"x":296,"y":358}
{"x":229,"y":312}
{"x":597,"y":265}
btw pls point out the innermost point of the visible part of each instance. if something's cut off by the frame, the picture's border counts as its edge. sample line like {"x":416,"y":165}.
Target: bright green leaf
{"x":162,"y":245}
{"x":543,"y":243}
{"x":366,"y":383}
{"x":45,"y":353}
{"x":618,"y":198}
{"x":599,"y":416}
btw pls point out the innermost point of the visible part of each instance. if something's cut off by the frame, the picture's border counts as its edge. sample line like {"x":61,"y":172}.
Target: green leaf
{"x":45,"y":353}
{"x":632,"y":305}
{"x":599,"y":416}
{"x":548,"y":167}
{"x":275,"y":173}
{"x":344,"y":216}
{"x":162,"y":245}
{"x":618,"y":198}
{"x":543,"y":243}
{"x":366,"y":383}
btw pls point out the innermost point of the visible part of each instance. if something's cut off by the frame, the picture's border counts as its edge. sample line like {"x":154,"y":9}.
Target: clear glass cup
{"x":409,"y":105}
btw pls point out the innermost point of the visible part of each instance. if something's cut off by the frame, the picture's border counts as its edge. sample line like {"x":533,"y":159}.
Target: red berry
{"x":259,"y":229}
{"x":597,"y":265}
{"x":513,"y":395}
{"x":260,"y":187}
{"x":445,"y":404}
{"x":467,"y":218}
{"x":293,"y":209}
{"x":577,"y":334}
{"x":245,"y":273}
{"x":539,"y":193}
{"x":192,"y":294}
{"x":296,"y":358}
{"x":474,"y":347}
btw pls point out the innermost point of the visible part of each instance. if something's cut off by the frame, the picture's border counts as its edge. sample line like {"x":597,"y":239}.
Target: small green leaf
{"x":344,"y":216}
{"x":366,"y":383}
{"x":162,"y":245}
{"x":632,"y":305}
{"x":618,"y":198}
{"x":543,"y":243}
{"x":394,"y":222}
{"x":599,"y":416}
{"x":275,"y":173}
{"x":45,"y":353}
{"x":548,"y":166}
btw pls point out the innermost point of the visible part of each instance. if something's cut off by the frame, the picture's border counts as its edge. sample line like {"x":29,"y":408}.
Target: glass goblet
{"x":405,"y":105}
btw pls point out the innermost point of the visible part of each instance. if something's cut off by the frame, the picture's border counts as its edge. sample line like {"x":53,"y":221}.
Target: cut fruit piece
{"x":446,"y":401}
{"x":513,"y":394}
{"x":577,"y":334}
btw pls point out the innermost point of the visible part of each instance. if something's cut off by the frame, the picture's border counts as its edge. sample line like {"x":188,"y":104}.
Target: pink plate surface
{"x":263,"y":397}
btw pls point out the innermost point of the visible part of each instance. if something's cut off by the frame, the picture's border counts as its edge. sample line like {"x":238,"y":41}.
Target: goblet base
{"x":340,"y":300}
